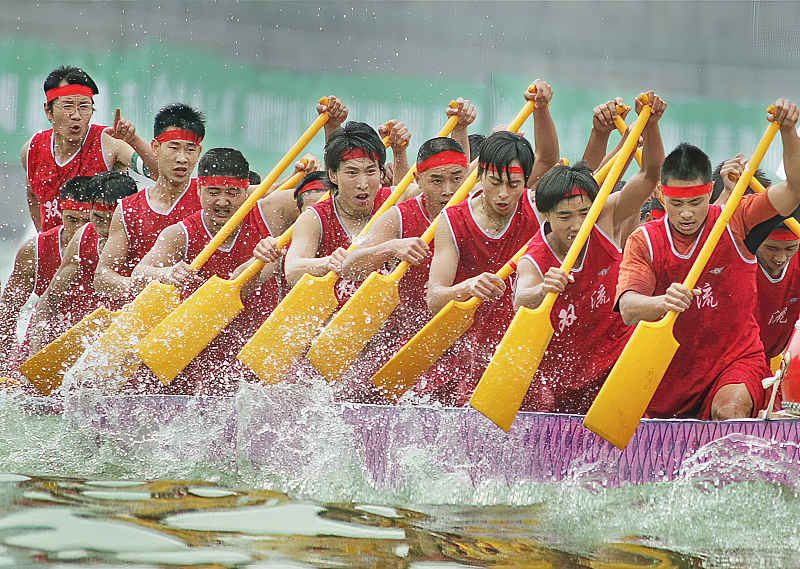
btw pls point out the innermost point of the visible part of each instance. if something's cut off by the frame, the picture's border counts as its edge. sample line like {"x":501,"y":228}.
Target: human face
{"x":565,"y":221}
{"x":358,"y":181}
{"x":73,"y":220}
{"x":70,"y":116}
{"x":176,"y":159}
{"x":101,"y":220}
{"x":501,"y":193}
{"x":219,"y":203}
{"x":773,"y":255}
{"x":687,"y":215}
{"x":439,"y":184}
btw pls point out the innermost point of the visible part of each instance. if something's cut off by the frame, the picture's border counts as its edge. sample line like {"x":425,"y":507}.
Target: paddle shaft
{"x":622,"y":128}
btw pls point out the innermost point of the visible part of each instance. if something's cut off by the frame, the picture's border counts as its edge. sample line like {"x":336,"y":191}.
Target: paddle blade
{"x":46,"y":368}
{"x":505,"y":382}
{"x":113,"y":354}
{"x":176,"y":341}
{"x":338,"y":345}
{"x":625,"y":395}
{"x":290,"y":328}
{"x":425,"y":348}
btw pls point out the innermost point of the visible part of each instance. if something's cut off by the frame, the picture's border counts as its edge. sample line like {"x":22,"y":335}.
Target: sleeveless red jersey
{"x":48,"y":257}
{"x":82,"y":297}
{"x":143,"y":224}
{"x":333,"y":235}
{"x":45,"y":175}
{"x":453,"y":379}
{"x":413,"y":288}
{"x":778,"y":306}
{"x":718,"y":331}
{"x":588,"y":335}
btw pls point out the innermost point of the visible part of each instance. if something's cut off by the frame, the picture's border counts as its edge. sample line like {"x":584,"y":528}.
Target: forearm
{"x":110,"y":283}
{"x":545,"y":138}
{"x":298,"y":267}
{"x":596,"y":148}
{"x":635,"y":307}
{"x":459,"y":134}
{"x":145,"y":150}
{"x":791,"y":159}
{"x":652,"y":153}
{"x":33,"y":207}
{"x":439,"y":296}
{"x":147,"y":273}
{"x":399,"y":164}
{"x":364,"y":260}
{"x":529,"y":297}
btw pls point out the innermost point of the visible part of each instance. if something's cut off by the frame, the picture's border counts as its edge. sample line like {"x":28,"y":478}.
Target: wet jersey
{"x":45,"y":174}
{"x":413,"y":288}
{"x":48,"y":257}
{"x":778,"y":306}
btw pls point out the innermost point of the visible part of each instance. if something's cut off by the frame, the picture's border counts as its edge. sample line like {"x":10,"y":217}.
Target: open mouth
{"x":362,"y":198}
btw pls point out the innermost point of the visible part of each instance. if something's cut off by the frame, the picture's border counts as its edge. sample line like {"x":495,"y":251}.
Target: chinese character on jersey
{"x":599,"y":296}
{"x":51,"y":209}
{"x":779,"y":317}
{"x":706,"y":298}
{"x":566,"y":317}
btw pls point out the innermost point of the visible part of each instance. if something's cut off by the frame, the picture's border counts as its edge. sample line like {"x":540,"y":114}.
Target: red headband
{"x":103,"y":207}
{"x":686,"y":191}
{"x":443,"y":158}
{"x":358,"y":153}
{"x":576,"y":191}
{"x":69,"y":90}
{"x":657,"y":213}
{"x":72,"y":205}
{"x":178,"y":134}
{"x":225,"y":181}
{"x":510,"y":169}
{"x":783,"y":234}
{"x":311,"y":186}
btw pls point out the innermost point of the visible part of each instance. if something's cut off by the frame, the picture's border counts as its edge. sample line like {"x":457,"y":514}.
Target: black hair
{"x":475,"y":143}
{"x":501,"y":149}
{"x":179,"y":115}
{"x":224,"y":162}
{"x":78,"y":189}
{"x":255,"y":179}
{"x":299,"y":196}
{"x":755,"y":237}
{"x":719,"y":184}
{"x":649,"y":206}
{"x":437,"y":145}
{"x":111,"y":186}
{"x":72,"y":75}
{"x":559,"y":181}
{"x":353,"y":136}
{"x":685,"y":164}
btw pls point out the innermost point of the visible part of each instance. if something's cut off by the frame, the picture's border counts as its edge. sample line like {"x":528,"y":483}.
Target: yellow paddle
{"x":506,"y":380}
{"x":622,"y":127}
{"x":345,"y":336}
{"x":46,"y":368}
{"x":295,"y":322}
{"x":625,"y":395}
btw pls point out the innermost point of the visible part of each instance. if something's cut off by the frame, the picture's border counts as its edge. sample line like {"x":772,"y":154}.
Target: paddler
{"x":223,"y":183}
{"x":717,"y":371}
{"x":476,"y":238}
{"x":73,"y":146}
{"x":178,"y":131}
{"x":589,"y":335}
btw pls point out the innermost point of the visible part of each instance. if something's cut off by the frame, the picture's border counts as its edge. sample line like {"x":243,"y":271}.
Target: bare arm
{"x":635,"y":307}
{"x":301,"y":259}
{"x":337,"y":114}
{"x":602,"y":126}
{"x":399,"y":138}
{"x":121,"y":141}
{"x":33,"y":201}
{"x":532,"y":287}
{"x":166,"y":261}
{"x":107,"y":279}
{"x":785,"y":196}
{"x":466,"y":116}
{"x":544,"y":133}
{"x":17,"y":292}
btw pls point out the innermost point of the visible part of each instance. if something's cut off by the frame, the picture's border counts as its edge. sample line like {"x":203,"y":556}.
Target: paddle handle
{"x":790,"y":222}
{"x":622,"y":127}
{"x":262,"y":188}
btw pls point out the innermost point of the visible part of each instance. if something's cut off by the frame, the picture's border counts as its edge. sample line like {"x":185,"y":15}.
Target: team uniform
{"x":778,"y":306}
{"x":413,"y":310}
{"x":454,"y":377}
{"x":45,"y":174}
{"x":588,"y":335}
{"x":718,"y":334}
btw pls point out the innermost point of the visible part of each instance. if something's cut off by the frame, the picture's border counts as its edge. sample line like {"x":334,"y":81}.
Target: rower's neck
{"x":214,"y":228}
{"x":64,"y":148}
{"x":165,"y":193}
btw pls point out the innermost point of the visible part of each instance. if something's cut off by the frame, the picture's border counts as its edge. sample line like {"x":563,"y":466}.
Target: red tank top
{"x":82,"y":297}
{"x":719,"y":327}
{"x":778,"y":306}
{"x":45,"y":176}
{"x":143,"y":224}
{"x":333,"y":235}
{"x":588,"y":335}
{"x":48,"y":257}
{"x":414,"y":285}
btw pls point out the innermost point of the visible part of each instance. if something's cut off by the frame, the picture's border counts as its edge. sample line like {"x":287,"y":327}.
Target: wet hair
{"x":437,"y":145}
{"x":72,"y":75}
{"x":299,"y":195}
{"x":353,"y":136}
{"x":78,"y":189}
{"x":224,"y":162}
{"x":255,"y":179}
{"x":719,"y":184}
{"x":501,"y":149}
{"x":685,"y":164}
{"x":559,"y":181}
{"x":111,"y":186}
{"x":475,"y":143}
{"x":179,"y":115}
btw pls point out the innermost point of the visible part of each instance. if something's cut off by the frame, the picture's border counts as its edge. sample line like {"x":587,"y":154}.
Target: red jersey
{"x":778,"y":306}
{"x":454,"y":377}
{"x":718,"y":334}
{"x":143,"y":224}
{"x":333,"y":235}
{"x":48,"y":257}
{"x":588,"y":335}
{"x":45,"y":174}
{"x":413,"y":310}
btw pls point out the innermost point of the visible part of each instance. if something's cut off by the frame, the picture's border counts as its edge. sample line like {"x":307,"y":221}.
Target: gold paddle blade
{"x":345,"y":336}
{"x":181,"y":336}
{"x":626,"y":393}
{"x":46,"y":368}
{"x":506,"y":380}
{"x":425,"y":348}
{"x":284,"y":335}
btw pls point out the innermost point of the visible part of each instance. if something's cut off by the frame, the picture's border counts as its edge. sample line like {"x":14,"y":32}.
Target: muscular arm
{"x":279,"y":210}
{"x":17,"y":292}
{"x":168,"y":251}
{"x":376,"y":249}
{"x":107,"y":279}
{"x":785,"y":196}
{"x":300,"y":259}
{"x":546,"y":145}
{"x":33,"y":201}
